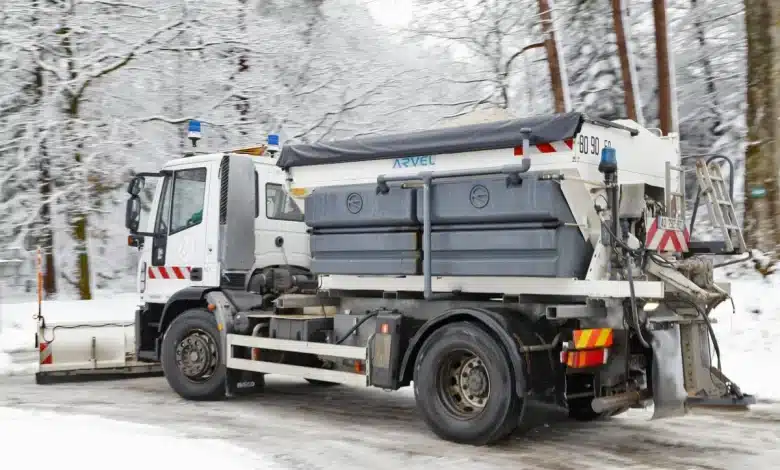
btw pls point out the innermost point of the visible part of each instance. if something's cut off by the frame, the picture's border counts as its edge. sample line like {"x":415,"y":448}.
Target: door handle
{"x":196,"y":274}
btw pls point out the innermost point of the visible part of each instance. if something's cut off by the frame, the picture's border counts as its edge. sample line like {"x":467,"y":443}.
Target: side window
{"x":279,"y":205}
{"x":189,"y":191}
{"x":164,"y":208}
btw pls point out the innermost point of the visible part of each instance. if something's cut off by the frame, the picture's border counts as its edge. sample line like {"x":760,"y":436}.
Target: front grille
{"x":224,"y":171}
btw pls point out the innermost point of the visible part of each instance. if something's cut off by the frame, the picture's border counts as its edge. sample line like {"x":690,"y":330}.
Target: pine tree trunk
{"x":79,"y":227}
{"x":80,"y":194}
{"x":762,"y":217}
{"x":706,"y":64}
{"x":665,"y":113}
{"x":45,"y":232}
{"x":625,"y":63}
{"x":553,"y":61}
{"x":242,"y":101}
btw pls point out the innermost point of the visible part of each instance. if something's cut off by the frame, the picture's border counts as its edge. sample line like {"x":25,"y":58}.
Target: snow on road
{"x":90,"y":442}
{"x":297,"y":426}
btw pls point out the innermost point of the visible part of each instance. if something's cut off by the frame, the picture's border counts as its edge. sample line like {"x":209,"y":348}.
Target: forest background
{"x":92,"y":91}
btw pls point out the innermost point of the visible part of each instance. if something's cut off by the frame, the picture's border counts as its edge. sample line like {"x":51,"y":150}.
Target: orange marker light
{"x":298,"y":192}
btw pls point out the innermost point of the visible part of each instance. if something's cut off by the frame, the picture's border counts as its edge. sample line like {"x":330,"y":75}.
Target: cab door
{"x":280,"y":231}
{"x":178,"y":249}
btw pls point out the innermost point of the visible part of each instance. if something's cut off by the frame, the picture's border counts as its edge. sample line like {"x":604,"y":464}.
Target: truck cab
{"x":189,"y":245}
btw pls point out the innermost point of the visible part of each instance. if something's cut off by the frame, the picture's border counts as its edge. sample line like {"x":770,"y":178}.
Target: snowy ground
{"x":297,"y":426}
{"x":97,"y":441}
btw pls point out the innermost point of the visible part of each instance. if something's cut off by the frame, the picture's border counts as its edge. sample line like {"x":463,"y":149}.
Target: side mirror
{"x":133,"y":214}
{"x":136,"y":185}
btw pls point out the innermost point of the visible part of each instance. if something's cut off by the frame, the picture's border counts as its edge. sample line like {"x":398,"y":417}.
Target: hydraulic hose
{"x":630,"y":276}
{"x":356,"y":326}
{"x":634,"y":313}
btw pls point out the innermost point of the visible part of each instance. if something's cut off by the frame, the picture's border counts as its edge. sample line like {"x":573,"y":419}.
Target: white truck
{"x":489,"y":265}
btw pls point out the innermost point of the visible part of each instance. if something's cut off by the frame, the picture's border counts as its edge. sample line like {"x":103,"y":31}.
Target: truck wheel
{"x":192,"y":357}
{"x":464,"y":385}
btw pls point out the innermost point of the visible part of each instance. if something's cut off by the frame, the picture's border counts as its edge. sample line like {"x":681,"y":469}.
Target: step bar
{"x":319,"y":349}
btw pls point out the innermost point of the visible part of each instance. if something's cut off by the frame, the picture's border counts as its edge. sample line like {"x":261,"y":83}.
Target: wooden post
{"x":626,"y":69}
{"x":39,"y":277}
{"x":550,"y":45}
{"x":665,"y":111}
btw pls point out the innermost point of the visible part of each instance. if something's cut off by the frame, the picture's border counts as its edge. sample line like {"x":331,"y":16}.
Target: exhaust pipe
{"x":622,"y":400}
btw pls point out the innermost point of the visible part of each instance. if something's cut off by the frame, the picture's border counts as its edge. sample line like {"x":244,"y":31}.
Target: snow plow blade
{"x":733,"y":399}
{"x":725,"y":403}
{"x":79,"y":352}
{"x":93,"y":375}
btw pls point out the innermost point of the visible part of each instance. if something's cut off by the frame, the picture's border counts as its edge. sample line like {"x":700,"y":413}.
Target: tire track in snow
{"x":307,"y":427}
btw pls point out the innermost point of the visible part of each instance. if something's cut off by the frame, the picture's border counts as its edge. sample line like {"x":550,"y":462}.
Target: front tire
{"x":192,"y":357}
{"x":465,"y":386}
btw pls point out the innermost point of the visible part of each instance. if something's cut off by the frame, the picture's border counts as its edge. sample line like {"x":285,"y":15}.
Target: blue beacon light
{"x":608,"y":163}
{"x":193,"y":132}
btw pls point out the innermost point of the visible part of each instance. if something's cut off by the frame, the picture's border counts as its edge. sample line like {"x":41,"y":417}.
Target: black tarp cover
{"x":470,"y":138}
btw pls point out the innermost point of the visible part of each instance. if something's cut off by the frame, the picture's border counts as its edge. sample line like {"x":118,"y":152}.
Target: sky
{"x":393,"y":13}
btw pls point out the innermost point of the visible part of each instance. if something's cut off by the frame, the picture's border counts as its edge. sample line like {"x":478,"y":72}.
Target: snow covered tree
{"x":489,"y":40}
{"x":593,"y":61}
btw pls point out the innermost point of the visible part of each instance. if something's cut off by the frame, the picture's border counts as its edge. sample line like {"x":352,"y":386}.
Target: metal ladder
{"x":720,"y":205}
{"x":675,"y":200}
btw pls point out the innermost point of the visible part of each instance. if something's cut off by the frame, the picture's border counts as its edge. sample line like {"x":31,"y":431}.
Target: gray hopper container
{"x":481,"y":226}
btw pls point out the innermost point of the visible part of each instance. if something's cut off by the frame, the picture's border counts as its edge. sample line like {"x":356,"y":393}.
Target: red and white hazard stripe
{"x":549,"y":147}
{"x":169,"y":272}
{"x":45,"y":353}
{"x":665,"y":240}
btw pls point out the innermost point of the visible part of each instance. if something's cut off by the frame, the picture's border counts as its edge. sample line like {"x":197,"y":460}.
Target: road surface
{"x":304,"y":427}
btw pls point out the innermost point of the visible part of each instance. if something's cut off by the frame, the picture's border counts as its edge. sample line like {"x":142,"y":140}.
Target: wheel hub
{"x":196,"y":355}
{"x":473,"y":383}
{"x":465,"y":385}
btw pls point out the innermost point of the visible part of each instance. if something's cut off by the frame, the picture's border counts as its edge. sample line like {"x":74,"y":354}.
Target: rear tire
{"x":465,"y":386}
{"x":192,"y":356}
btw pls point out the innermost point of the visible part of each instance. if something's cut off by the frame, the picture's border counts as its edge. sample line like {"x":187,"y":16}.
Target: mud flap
{"x":242,"y":382}
{"x":669,"y":396}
